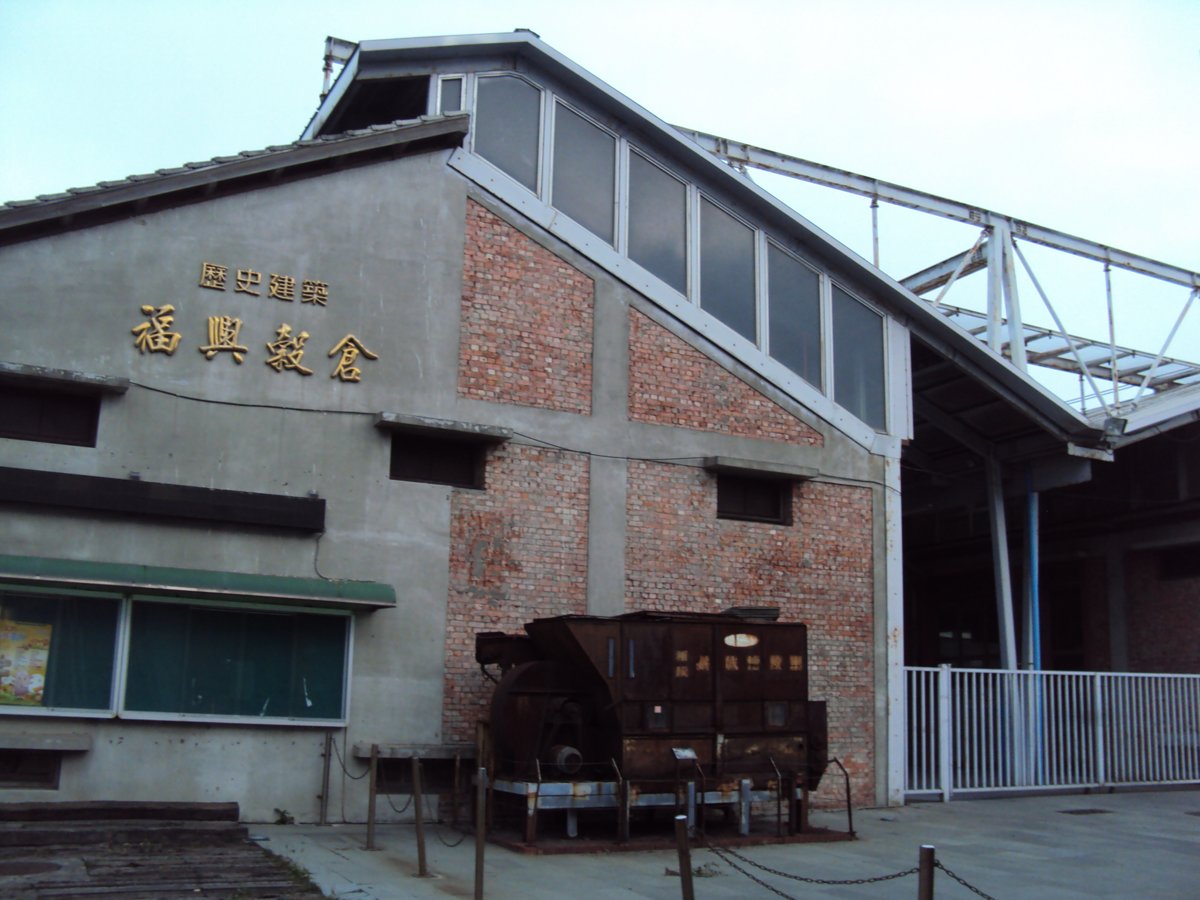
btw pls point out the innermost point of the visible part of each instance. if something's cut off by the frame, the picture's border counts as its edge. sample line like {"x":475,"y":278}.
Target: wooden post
{"x":419,"y":812}
{"x":925,"y":863}
{"x":685,"y":858}
{"x":371,"y":798}
{"x":325,"y":778}
{"x":481,"y":795}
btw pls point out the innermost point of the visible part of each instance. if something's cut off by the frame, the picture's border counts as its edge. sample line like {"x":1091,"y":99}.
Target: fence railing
{"x":980,"y":730}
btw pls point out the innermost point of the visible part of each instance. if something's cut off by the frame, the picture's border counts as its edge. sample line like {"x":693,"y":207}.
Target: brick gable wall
{"x":526,"y":330}
{"x":672,"y":383}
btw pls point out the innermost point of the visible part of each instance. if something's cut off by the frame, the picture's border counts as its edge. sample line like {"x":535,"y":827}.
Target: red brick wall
{"x":672,"y":383}
{"x":1162,"y":618}
{"x":526,"y":335}
{"x":819,"y":571}
{"x":518,"y":551}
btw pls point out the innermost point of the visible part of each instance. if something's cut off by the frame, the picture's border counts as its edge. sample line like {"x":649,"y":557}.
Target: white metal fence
{"x":982,"y":730}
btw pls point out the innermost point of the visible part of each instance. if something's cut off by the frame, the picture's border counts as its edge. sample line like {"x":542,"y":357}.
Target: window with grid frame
{"x":754,"y":499}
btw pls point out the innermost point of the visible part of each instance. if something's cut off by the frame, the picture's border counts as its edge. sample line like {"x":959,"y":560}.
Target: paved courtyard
{"x":1129,"y":845}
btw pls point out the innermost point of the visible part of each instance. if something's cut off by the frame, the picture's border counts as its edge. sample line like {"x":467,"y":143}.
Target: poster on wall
{"x":24,"y":653}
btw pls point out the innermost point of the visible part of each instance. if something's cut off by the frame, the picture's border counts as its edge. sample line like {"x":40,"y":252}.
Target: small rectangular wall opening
{"x":36,"y":769}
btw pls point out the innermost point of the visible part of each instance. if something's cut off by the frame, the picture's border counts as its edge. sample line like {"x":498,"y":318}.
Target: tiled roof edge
{"x":398,"y":127}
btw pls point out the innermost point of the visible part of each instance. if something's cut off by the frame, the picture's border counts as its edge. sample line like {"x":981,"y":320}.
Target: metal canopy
{"x":1050,"y":348}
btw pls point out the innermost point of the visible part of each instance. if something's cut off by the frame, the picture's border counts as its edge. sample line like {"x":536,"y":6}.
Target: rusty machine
{"x":690,"y":711}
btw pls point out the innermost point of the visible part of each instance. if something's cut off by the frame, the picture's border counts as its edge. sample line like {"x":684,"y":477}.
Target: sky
{"x":1079,"y":116}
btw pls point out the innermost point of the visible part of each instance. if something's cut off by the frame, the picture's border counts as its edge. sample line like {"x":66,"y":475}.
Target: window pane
{"x":727,"y":269}
{"x":57,"y":651}
{"x":858,"y":359}
{"x":795,"y":315}
{"x":658,"y":222}
{"x":585,"y":159}
{"x":451,"y":95}
{"x":208,"y":661}
{"x":507,"y":117}
{"x":754,"y":499}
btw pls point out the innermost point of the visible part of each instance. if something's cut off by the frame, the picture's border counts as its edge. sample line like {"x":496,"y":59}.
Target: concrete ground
{"x":1128,"y":845}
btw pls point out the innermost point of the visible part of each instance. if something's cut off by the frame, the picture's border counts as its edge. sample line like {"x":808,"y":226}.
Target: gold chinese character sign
{"x":287,"y":350}
{"x":155,"y":336}
{"x":349,"y":347}
{"x":223,"y":337}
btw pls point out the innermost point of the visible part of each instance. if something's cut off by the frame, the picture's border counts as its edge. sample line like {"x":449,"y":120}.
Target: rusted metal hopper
{"x":718,"y":698}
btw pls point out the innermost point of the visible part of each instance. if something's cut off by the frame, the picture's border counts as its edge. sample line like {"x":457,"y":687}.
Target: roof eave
{"x":201,"y":180}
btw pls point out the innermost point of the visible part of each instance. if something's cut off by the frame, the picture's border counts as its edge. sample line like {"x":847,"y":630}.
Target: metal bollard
{"x":925,"y":866}
{"x":685,"y":858}
{"x":419,"y":812}
{"x":328,"y":756}
{"x":371,"y":796}
{"x":691,"y":808}
{"x":744,"y":807}
{"x":481,"y":793}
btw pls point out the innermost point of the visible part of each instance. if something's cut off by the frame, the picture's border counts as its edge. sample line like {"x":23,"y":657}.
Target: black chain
{"x":342,"y":763}
{"x":724,"y":853}
{"x":969,"y":887}
{"x":750,"y":875}
{"x":388,"y":796}
{"x":462,"y":836}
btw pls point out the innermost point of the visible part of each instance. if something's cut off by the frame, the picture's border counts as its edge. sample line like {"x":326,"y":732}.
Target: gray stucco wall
{"x":388,"y":240}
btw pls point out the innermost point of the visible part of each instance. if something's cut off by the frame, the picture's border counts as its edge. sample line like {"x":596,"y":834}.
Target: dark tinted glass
{"x":795,"y":314}
{"x":757,"y":499}
{"x":585,"y":159}
{"x":727,"y":269}
{"x":507,"y":134}
{"x":226,"y":662}
{"x":658,"y":222}
{"x":858,"y":359}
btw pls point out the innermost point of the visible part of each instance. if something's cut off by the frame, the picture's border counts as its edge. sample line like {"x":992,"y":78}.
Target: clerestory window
{"x":681,"y":234}
{"x":508,"y":119}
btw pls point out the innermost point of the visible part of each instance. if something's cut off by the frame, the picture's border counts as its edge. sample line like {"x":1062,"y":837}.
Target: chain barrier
{"x":970,"y":887}
{"x":400,"y":810}
{"x":728,"y":856}
{"x":462,"y":836}
{"x":383,"y":785}
{"x":722,"y":851}
{"x":342,"y":763}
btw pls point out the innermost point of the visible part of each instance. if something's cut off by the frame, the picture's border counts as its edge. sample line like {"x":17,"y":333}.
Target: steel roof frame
{"x":996,"y":250}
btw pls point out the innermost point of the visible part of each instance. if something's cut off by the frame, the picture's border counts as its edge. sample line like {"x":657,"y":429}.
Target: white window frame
{"x":616,"y":258}
{"x":554,"y":102}
{"x":543,"y":131}
{"x":884,"y":344}
{"x":756,"y":234}
{"x":116,"y":700}
{"x":436,"y":101}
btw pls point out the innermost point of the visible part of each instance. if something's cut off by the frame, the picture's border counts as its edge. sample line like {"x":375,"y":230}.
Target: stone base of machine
{"x":735,"y":813}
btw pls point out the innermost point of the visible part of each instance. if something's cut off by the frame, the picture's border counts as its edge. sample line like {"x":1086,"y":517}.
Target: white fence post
{"x":945,"y":738}
{"x":1099,"y":716}
{"x":975,"y":730}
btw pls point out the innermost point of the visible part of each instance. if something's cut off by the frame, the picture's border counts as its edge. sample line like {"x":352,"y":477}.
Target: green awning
{"x":194,"y":583}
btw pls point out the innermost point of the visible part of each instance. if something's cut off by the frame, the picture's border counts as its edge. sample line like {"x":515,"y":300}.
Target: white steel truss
{"x":1102,"y":365}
